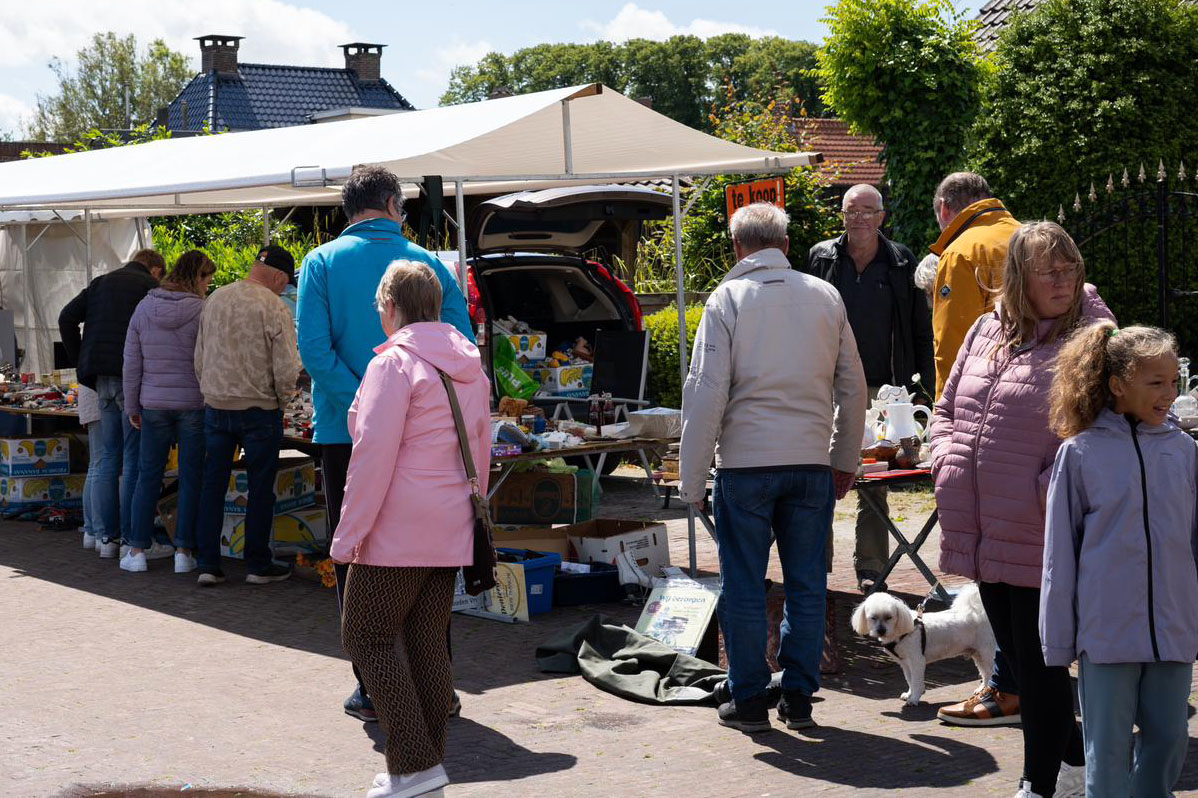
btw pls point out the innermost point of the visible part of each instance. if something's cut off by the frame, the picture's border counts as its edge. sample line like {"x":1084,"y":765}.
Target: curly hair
{"x":1081,"y":385}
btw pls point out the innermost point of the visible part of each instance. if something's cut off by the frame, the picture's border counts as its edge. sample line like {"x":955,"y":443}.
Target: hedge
{"x":665,"y":386}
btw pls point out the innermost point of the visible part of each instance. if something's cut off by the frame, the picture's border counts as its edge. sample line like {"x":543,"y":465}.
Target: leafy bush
{"x":665,"y":381}
{"x":232,"y":258}
{"x":907,"y":72}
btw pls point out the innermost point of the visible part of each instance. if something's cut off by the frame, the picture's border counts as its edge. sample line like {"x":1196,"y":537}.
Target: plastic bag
{"x":510,"y":378}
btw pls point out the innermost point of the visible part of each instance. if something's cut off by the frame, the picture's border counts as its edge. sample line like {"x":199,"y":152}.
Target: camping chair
{"x":621,"y":369}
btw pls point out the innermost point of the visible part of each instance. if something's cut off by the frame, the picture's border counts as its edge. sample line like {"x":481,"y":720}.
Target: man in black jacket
{"x":104,"y":309}
{"x":891,"y":322}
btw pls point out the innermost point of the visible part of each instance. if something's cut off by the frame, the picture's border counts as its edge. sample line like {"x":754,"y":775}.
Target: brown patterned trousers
{"x":411,"y":688}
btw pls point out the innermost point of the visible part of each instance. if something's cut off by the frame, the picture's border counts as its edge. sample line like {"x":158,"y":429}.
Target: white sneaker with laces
{"x":134,"y":562}
{"x":184,"y":563}
{"x":1071,"y":781}
{"x":89,"y":540}
{"x":159,"y":551}
{"x":1025,"y":791}
{"x":109,"y":551}
{"x":409,"y":785}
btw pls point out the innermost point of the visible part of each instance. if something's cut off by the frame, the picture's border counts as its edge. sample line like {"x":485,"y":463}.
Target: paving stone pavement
{"x":116,"y":684}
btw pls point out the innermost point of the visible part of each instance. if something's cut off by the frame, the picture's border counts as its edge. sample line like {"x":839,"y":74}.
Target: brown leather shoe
{"x":830,"y":661}
{"x":986,"y":707}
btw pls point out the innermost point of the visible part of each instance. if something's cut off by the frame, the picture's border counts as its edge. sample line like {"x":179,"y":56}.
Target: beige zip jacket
{"x":775,"y":379}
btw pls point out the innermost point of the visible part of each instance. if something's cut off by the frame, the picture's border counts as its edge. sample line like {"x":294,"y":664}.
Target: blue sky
{"x":425,"y":39}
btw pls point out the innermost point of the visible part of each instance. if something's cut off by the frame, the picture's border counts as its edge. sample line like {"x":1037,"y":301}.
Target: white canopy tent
{"x":576,"y":135}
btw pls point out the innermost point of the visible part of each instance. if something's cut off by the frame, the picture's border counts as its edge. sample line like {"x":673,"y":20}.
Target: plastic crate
{"x":600,"y":586}
{"x":538,"y":575}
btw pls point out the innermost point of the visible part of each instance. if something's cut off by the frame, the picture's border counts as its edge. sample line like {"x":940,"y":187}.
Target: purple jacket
{"x":160,"y":353}
{"x":992,"y":453}
{"x":1120,"y":578}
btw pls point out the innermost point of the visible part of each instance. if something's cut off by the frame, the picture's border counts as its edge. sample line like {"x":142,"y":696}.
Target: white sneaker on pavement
{"x":134,"y":562}
{"x":89,"y":540}
{"x":109,"y":551}
{"x":1025,"y":791}
{"x":184,"y":563}
{"x":159,"y":551}
{"x":409,"y":785}
{"x":1071,"y":781}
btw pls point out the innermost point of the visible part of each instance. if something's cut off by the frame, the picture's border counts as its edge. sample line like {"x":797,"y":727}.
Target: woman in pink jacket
{"x":407,"y":522}
{"x":992,"y":455}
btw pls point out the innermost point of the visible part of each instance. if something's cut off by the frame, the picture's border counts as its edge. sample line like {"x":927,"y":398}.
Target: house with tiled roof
{"x":231,"y":96}
{"x":994,"y":16}
{"x":848,"y":158}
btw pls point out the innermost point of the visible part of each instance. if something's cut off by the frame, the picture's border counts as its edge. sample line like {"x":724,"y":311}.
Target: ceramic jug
{"x":873,"y":427}
{"x":900,"y":421}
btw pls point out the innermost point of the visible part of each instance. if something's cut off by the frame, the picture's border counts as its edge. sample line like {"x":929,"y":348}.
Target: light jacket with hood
{"x":407,"y":498}
{"x":336,"y":320}
{"x":160,"y":350}
{"x":775,"y":378}
{"x":992,"y":452}
{"x":1120,"y":574}
{"x":973,"y":254}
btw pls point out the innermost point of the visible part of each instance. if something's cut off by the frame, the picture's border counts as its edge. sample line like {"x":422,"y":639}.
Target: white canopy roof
{"x":581,"y":134}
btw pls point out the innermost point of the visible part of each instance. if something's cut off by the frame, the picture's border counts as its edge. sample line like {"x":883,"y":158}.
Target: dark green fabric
{"x":623,"y":662}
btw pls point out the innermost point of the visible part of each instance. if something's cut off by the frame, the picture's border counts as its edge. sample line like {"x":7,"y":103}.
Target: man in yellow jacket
{"x":975,"y":230}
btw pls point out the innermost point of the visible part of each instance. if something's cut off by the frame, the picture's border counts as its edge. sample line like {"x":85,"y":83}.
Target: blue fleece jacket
{"x":336,"y":320}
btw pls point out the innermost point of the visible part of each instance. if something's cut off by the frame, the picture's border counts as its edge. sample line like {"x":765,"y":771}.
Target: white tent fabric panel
{"x":58,"y":265}
{"x":490,"y":144}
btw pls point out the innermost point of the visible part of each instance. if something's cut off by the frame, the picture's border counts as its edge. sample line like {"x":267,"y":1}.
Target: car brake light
{"x":634,"y":304}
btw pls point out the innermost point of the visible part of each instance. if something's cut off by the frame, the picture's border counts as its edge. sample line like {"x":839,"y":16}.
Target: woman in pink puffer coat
{"x":992,"y":455}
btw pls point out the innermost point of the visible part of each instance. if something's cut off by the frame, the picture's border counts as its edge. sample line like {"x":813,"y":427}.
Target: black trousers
{"x":1050,"y":733}
{"x":334,"y":467}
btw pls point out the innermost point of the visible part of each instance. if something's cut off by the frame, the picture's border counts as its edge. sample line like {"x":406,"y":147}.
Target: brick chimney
{"x":219,"y":52}
{"x":364,"y":59}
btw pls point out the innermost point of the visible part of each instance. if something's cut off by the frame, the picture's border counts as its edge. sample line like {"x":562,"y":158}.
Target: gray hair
{"x":370,"y":188}
{"x":759,"y":226}
{"x":960,"y":190}
{"x":925,"y":272}
{"x":861,"y":188}
{"x":413,"y":289}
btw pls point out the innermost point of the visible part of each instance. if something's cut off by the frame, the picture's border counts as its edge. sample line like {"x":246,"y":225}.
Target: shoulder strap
{"x":463,"y":440}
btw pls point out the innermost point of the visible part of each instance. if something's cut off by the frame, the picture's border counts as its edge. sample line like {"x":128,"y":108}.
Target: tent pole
{"x":567,"y":142}
{"x":678,"y":268}
{"x":460,"y":200}
{"x":25,"y":311}
{"x":265,"y":226}
{"x":87,"y":245}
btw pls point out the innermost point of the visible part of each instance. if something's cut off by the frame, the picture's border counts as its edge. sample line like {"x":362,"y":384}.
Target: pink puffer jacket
{"x":992,"y":453}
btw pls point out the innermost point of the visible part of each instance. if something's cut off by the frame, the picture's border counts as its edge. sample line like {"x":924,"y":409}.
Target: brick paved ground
{"x":121,"y":684}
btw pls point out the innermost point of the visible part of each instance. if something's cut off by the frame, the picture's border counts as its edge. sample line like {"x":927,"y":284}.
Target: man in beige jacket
{"x":247,"y":363}
{"x":776,"y":391}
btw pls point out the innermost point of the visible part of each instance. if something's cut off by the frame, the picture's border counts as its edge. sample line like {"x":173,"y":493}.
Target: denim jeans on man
{"x":752,"y":508}
{"x":116,"y":475}
{"x":95,"y":450}
{"x":160,"y":429}
{"x":259,"y":432}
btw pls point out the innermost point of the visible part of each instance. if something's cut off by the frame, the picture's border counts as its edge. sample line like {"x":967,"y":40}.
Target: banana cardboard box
{"x":302,"y":531}
{"x":295,"y":487}
{"x":530,"y":346}
{"x":563,"y":380}
{"x":35,"y":457}
{"x":61,"y":491}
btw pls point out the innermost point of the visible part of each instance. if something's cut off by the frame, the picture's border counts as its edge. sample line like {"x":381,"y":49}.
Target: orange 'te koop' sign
{"x":742,"y":194}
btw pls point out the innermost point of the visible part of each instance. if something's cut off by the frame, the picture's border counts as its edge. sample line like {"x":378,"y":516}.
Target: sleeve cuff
{"x":1059,"y":657}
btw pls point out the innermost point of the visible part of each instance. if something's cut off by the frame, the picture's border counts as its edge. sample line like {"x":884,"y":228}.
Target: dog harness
{"x":923,"y":639}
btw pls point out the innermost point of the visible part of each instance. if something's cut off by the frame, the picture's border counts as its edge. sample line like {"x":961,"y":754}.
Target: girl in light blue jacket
{"x":1120,"y":582}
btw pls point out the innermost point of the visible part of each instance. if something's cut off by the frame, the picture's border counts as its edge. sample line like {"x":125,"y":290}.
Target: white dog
{"x":961,"y":630}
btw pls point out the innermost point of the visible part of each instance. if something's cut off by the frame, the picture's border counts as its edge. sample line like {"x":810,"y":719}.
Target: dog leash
{"x":923,"y":636}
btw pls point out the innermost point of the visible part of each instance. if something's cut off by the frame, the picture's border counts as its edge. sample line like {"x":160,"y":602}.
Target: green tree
{"x":92,"y":96}
{"x":908,"y":73}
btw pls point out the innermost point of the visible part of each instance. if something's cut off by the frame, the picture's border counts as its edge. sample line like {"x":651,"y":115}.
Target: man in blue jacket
{"x":339,"y":329}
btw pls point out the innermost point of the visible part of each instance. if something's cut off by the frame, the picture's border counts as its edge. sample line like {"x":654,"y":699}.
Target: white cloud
{"x":448,"y":56}
{"x":275,"y":31}
{"x":14,"y":115}
{"x":634,"y":22}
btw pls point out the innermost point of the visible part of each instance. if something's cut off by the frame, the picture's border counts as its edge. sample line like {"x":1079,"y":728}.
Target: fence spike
{"x":1077,"y":202}
{"x":1143,"y":175}
{"x":1160,"y":170}
{"x":1061,"y":214}
{"x":1125,"y":182}
{"x":1110,"y":184}
{"x":1093,"y":196}
{"x":1181,"y":172}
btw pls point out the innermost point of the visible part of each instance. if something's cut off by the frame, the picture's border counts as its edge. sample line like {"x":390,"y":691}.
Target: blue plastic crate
{"x":538,"y":577}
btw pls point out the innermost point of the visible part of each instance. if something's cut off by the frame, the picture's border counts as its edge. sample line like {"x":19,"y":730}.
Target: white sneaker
{"x":89,"y":540}
{"x":159,"y":551}
{"x":134,"y":562}
{"x":409,"y":785}
{"x":1071,"y":781}
{"x":109,"y":551}
{"x":1025,"y":791}
{"x":124,"y":550}
{"x":184,"y":563}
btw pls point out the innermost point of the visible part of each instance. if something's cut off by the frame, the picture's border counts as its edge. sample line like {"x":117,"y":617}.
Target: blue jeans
{"x":95,"y":450}
{"x":1002,"y":677}
{"x":259,"y":432}
{"x":751,"y":509}
{"x":1152,"y":695}
{"x":116,"y":475}
{"x":160,"y":429}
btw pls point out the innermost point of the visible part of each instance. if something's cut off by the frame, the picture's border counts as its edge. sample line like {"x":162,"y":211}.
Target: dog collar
{"x":923,"y":638}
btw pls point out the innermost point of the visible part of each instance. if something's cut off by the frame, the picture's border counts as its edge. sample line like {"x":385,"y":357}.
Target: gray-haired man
{"x":776,"y":392}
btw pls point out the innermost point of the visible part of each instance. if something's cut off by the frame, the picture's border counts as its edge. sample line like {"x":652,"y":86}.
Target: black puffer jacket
{"x":911,"y":335}
{"x":104,"y":309}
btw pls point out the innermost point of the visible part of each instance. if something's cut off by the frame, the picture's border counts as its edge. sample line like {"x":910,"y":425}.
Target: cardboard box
{"x":35,"y":457}
{"x":295,"y":487}
{"x":544,"y":497}
{"x":536,"y":538}
{"x":59,"y":490}
{"x":603,"y":539}
{"x":302,"y":531}
{"x":569,"y":381}
{"x":530,"y":346}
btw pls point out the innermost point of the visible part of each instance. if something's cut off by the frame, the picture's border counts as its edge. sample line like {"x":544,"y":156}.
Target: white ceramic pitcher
{"x":901,"y":423}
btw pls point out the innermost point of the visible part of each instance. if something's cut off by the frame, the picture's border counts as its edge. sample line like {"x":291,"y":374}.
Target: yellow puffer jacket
{"x":972,"y":250}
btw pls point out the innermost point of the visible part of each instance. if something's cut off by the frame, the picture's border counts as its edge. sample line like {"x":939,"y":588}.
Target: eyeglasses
{"x":1065,"y":275}
{"x":854,"y":215}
